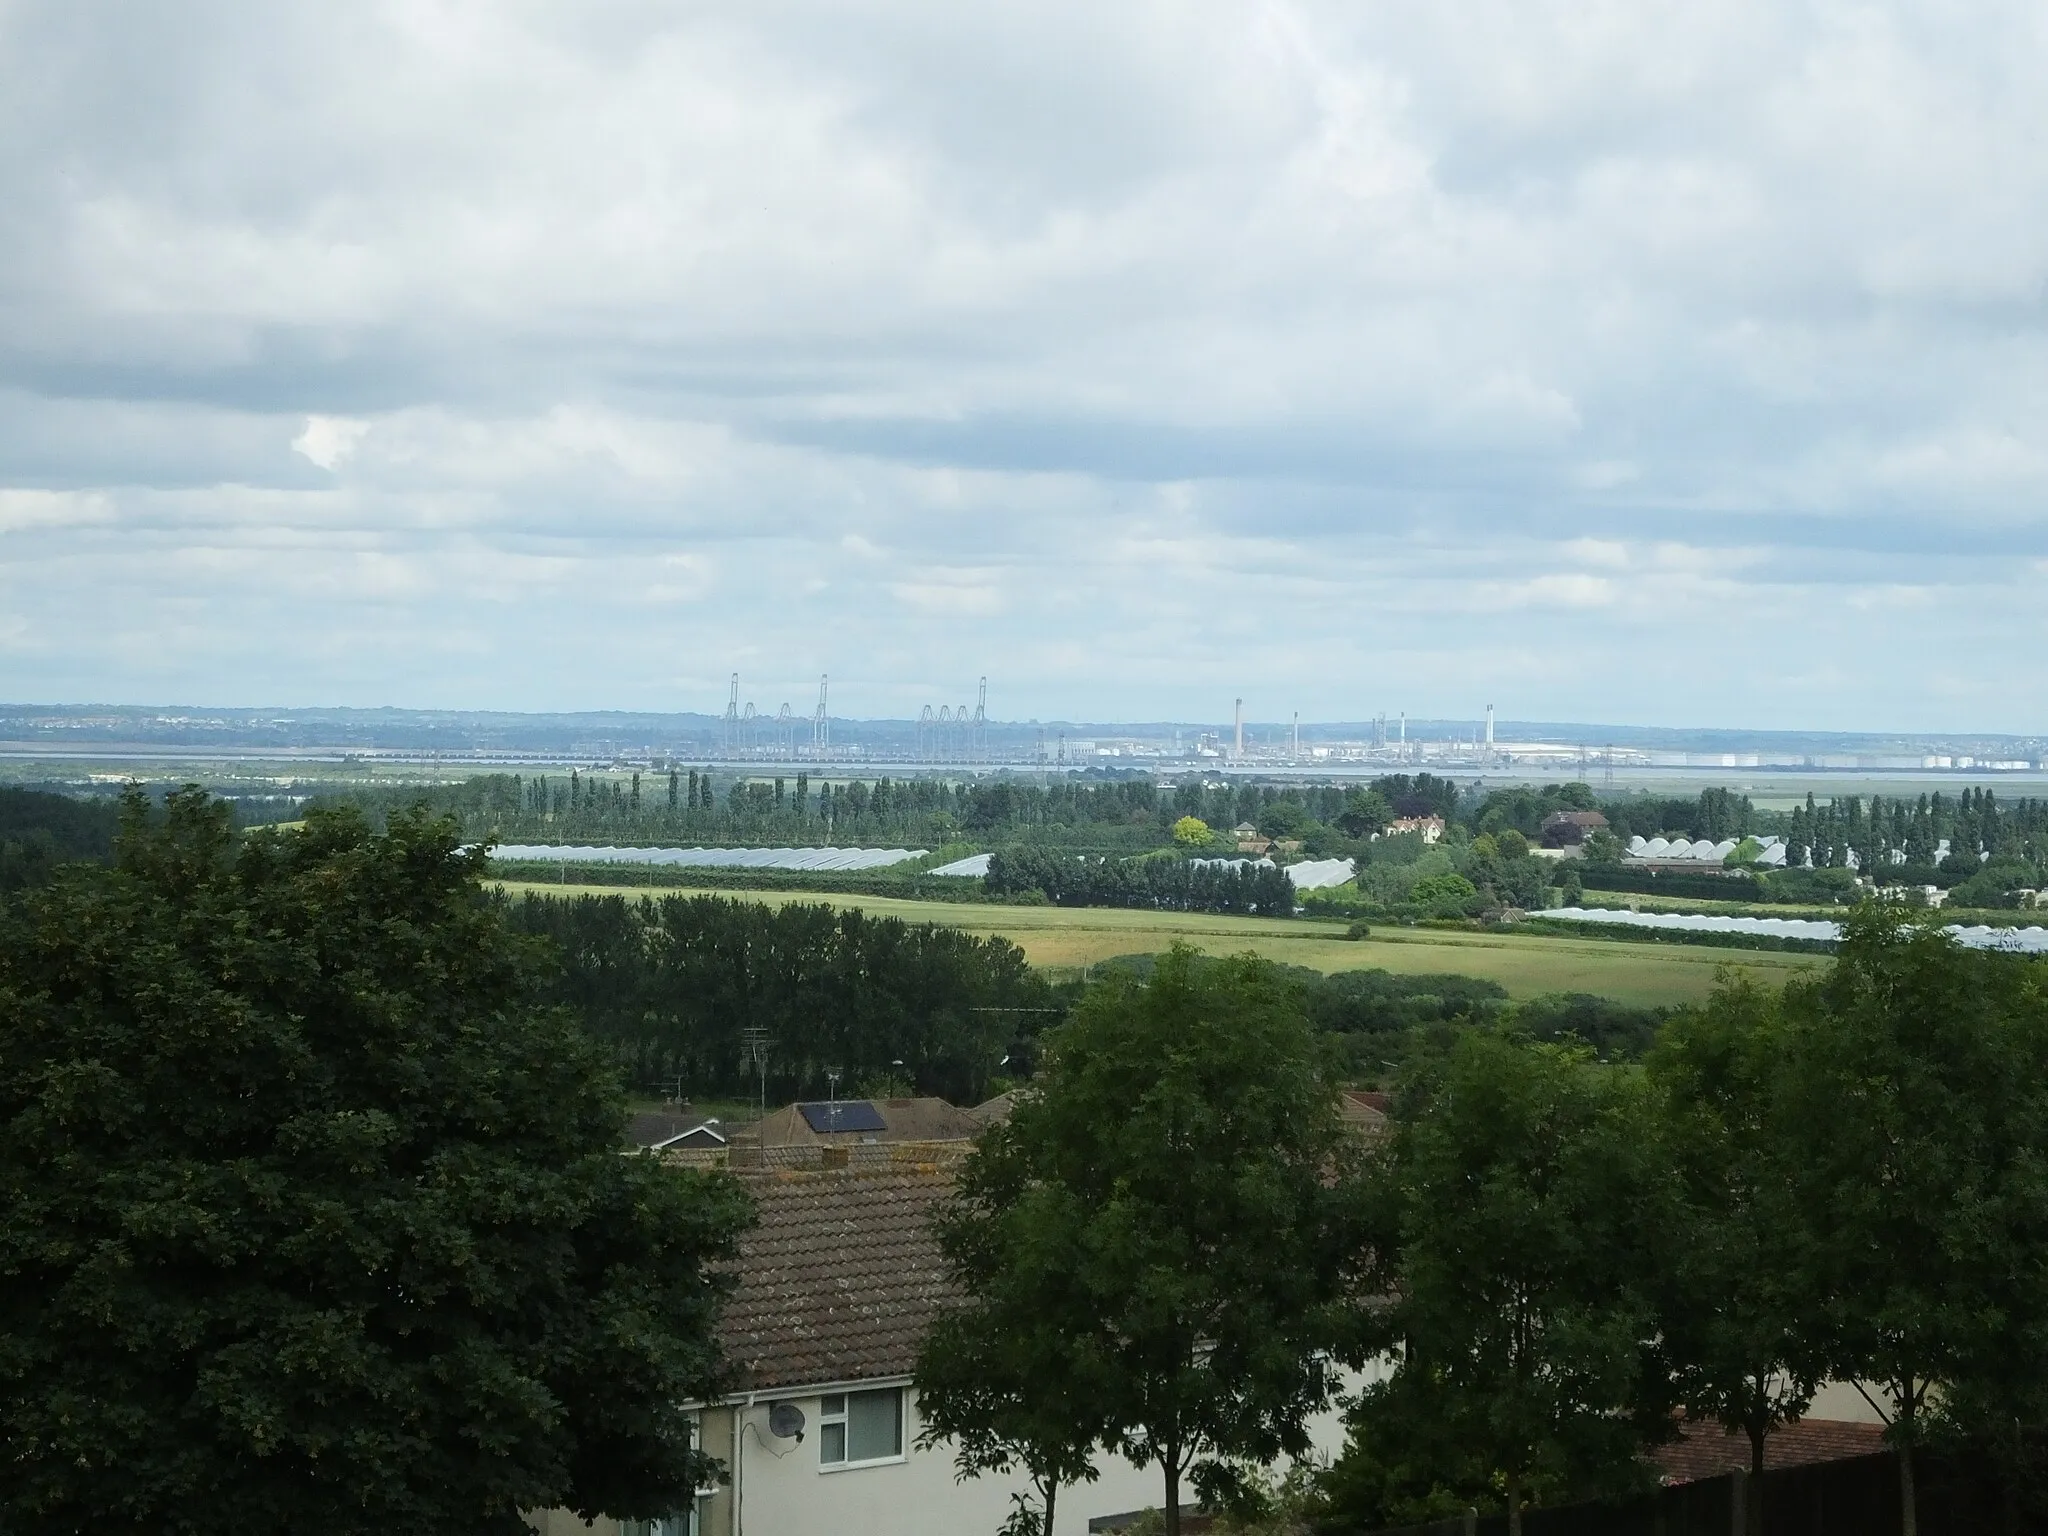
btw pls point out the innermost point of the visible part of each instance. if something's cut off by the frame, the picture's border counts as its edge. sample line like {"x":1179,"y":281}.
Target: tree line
{"x":1546,"y":1265}
{"x":679,"y":989}
{"x":40,"y":831}
{"x":691,"y":805}
{"x":1162,"y":883}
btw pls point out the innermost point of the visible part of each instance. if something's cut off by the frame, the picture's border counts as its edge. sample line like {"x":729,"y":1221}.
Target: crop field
{"x":1528,"y":965}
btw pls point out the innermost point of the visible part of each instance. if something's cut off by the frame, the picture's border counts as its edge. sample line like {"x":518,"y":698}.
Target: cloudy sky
{"x":1658,"y":363}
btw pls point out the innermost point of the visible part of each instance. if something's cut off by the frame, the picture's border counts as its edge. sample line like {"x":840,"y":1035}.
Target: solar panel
{"x":846,"y":1115}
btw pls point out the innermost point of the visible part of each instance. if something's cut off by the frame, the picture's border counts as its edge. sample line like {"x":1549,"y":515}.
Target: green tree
{"x":1740,"y":1330}
{"x":1603,"y":849}
{"x":310,"y":1220}
{"x":1283,"y":818}
{"x":1175,"y":1164}
{"x":1917,"y":1083}
{"x":1365,"y":812}
{"x":1192,"y":832}
{"x":1446,"y":895}
{"x":1515,"y":1217}
{"x":1005,"y":1378}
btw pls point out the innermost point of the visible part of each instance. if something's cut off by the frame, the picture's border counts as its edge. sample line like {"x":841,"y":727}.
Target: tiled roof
{"x":1364,"y":1113}
{"x":995,"y":1111}
{"x":840,"y":1278}
{"x":1704,"y":1451}
{"x":902,"y":1120}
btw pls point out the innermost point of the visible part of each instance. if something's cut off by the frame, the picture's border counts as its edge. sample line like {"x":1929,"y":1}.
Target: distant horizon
{"x":1591,"y":733}
{"x":1683,"y":364}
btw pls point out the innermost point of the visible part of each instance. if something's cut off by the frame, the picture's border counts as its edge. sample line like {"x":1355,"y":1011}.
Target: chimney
{"x":1489,"y":730}
{"x":1239,"y":752}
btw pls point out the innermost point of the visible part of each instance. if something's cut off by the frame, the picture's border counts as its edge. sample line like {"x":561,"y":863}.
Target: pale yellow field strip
{"x":1528,"y":965}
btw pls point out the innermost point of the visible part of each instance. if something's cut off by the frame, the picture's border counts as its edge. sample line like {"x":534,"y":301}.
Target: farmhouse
{"x":1568,"y":829}
{"x":1431,"y":827}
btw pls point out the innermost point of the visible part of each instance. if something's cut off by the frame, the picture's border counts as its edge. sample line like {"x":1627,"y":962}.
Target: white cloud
{"x":327,"y":440}
{"x":1234,"y":343}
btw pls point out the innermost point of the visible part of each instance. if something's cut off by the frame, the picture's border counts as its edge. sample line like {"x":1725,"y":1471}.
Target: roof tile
{"x":840,"y":1278}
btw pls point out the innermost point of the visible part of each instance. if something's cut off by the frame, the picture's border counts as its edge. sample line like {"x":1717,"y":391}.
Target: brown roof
{"x":1588,"y":819}
{"x":902,"y":1119}
{"x":1702,"y":1450}
{"x":995,"y":1111}
{"x":840,"y":1278}
{"x":1364,"y":1111}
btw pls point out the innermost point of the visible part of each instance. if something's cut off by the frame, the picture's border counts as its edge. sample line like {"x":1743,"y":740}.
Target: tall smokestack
{"x":1489,"y":730}
{"x":1240,"y":730}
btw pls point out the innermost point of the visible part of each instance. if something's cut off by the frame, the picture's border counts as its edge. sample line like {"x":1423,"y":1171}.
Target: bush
{"x":1448,"y":895}
{"x":1995,"y":884}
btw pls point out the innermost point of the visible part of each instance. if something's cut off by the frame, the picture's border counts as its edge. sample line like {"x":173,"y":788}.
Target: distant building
{"x":1431,"y":827}
{"x":674,"y":1130}
{"x":849,"y":1122}
{"x":1568,"y":829}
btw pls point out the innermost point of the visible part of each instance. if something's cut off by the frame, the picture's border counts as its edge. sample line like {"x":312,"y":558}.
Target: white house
{"x":836,"y":1287}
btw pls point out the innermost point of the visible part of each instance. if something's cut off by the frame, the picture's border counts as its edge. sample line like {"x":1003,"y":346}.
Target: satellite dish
{"x":785,"y":1421}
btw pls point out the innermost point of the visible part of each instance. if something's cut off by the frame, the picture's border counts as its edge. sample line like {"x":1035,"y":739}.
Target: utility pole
{"x":754,"y":1037}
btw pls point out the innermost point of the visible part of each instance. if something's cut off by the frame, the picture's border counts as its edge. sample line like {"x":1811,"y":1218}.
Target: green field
{"x":1528,"y":965}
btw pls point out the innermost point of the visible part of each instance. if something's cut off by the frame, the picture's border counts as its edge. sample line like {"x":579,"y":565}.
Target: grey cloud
{"x":798,"y":334}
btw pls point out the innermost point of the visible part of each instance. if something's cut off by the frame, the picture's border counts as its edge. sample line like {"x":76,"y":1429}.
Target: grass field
{"x":1526,"y":964}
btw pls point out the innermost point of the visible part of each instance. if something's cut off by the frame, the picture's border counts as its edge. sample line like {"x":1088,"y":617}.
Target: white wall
{"x":1841,"y":1400}
{"x":783,"y":1490}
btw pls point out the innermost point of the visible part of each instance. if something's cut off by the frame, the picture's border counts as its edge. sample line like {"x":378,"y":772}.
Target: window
{"x":860,"y":1426}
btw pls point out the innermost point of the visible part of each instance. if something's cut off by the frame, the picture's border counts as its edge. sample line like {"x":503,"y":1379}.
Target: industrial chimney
{"x":1238,"y":754}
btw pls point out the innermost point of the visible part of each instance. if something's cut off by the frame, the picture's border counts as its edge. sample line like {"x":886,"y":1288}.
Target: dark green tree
{"x":1365,"y":812}
{"x":1005,"y":1378}
{"x":310,"y":1220}
{"x":1917,"y":1083}
{"x":1183,"y":1156}
{"x":1740,"y":1330}
{"x":1516,"y":1211}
